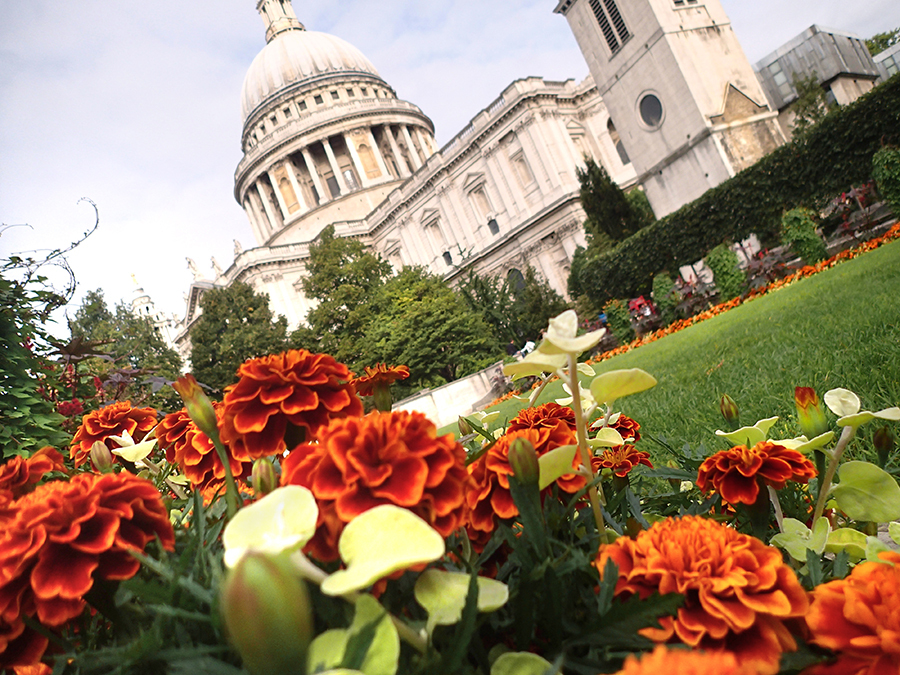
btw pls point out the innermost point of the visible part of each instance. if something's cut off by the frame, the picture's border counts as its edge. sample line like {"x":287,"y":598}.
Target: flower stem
{"x":776,"y":504}
{"x":537,"y":392}
{"x":232,"y":498}
{"x":825,"y":486}
{"x":595,"y":492}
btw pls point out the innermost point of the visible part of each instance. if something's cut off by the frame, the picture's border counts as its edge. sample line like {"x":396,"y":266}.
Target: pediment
{"x":428,"y":215}
{"x":574,"y":128}
{"x":472,"y":180}
{"x":736,"y":105}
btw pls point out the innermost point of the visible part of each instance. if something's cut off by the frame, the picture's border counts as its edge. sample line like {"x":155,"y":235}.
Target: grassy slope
{"x":840,"y":328}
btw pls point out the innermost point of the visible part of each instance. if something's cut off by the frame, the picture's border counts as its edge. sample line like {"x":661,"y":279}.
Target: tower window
{"x":301,"y":105}
{"x":651,"y":110}
{"x":611,"y":23}
{"x":448,"y":258}
{"x":364,"y":91}
{"x":318,"y":99}
{"x":287,"y":113}
{"x":351,"y":93}
{"x":335,"y":96}
{"x":493,"y":227}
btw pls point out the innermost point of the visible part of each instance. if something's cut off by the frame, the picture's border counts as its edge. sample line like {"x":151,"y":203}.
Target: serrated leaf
{"x":867,"y":493}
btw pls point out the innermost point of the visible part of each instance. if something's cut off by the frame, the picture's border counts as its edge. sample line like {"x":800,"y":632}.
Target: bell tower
{"x":685,"y":101}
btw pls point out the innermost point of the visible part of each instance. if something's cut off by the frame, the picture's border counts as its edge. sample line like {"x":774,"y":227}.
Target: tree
{"x":137,"y":362}
{"x":608,"y":211}
{"x":421,"y":322}
{"x":881,"y":41}
{"x":236,"y":325}
{"x":343,"y":276}
{"x":811,"y":105}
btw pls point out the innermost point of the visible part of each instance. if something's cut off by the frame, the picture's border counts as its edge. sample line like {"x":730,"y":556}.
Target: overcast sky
{"x":135,"y":105}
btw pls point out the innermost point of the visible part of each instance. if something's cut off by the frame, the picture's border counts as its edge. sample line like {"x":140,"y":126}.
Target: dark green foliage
{"x":886,"y":172}
{"x":619,"y":319}
{"x":424,"y":324}
{"x":798,"y":229}
{"x":640,"y":206}
{"x":881,"y":41}
{"x":135,"y":353}
{"x":512,"y":313}
{"x":665,"y":298}
{"x":28,"y":419}
{"x":608,"y":210}
{"x":236,"y":325}
{"x":836,"y":153}
{"x":811,"y":105}
{"x":730,"y":279}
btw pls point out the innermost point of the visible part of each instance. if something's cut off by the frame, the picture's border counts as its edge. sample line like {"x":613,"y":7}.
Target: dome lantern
{"x":279,"y":17}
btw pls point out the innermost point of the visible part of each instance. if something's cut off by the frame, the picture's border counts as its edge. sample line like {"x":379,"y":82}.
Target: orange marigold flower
{"x":194,"y":452}
{"x":683,"y":662}
{"x":737,"y":591}
{"x":294,"y":389}
{"x":19,"y":474}
{"x":549,"y":415}
{"x":113,"y":420}
{"x":383,"y":458}
{"x":488,"y":495}
{"x":621,"y":460}
{"x":737,"y":474}
{"x":627,"y":427}
{"x":381,"y":375}
{"x":857,"y":617}
{"x":57,"y":541}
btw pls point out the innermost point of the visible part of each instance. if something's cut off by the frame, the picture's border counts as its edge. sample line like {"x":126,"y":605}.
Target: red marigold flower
{"x":683,"y":662}
{"x":488,"y":495}
{"x":736,"y":474}
{"x":627,"y":427}
{"x":275,"y":393}
{"x":194,"y":452}
{"x":383,"y":458}
{"x":549,"y":415}
{"x":381,"y":375}
{"x":621,"y":460}
{"x":113,"y":420}
{"x":70,"y":408}
{"x":58,"y":540}
{"x":737,"y":591}
{"x":19,"y":474}
{"x":857,"y":618}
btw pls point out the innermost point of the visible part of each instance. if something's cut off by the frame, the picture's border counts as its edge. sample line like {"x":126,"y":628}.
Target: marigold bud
{"x":884,"y":444}
{"x":198,"y":405}
{"x":524,"y":462}
{"x":464,"y":427}
{"x":101,"y":457}
{"x":730,"y":412}
{"x":263,"y":476}
{"x":809,"y":412}
{"x":268,"y":615}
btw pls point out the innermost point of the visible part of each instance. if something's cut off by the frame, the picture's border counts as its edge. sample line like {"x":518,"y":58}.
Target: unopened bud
{"x":809,"y":412}
{"x":524,"y":462}
{"x":730,"y":412}
{"x":101,"y":457}
{"x":198,"y":406}
{"x":464,"y":427}
{"x":884,"y":445}
{"x":267,"y":614}
{"x":263,"y":476}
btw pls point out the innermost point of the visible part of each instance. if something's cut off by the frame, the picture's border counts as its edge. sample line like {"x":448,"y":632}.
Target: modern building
{"x":888,"y":61}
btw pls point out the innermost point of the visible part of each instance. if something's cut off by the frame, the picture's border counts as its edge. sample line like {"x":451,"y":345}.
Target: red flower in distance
{"x":58,"y":540}
{"x":737,"y":474}
{"x":382,"y":375}
{"x":621,"y":460}
{"x":113,"y":420}
{"x":293,"y":389}
{"x":194,"y":453}
{"x":20,"y":474}
{"x":383,"y":458}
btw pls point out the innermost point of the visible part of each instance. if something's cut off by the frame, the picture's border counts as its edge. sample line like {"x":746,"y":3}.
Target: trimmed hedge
{"x":837,"y":152}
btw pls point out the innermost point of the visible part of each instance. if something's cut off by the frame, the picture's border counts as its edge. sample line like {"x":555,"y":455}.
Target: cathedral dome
{"x":295,"y":57}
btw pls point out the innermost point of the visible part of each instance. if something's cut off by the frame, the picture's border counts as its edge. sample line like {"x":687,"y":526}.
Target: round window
{"x":651,"y":110}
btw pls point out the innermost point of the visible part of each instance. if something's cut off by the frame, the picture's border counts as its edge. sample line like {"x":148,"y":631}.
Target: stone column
{"x":267,"y":206}
{"x":497,"y":170}
{"x":413,"y":155}
{"x":382,"y":165}
{"x":332,"y":161}
{"x":254,"y":221}
{"x":278,"y":196}
{"x":422,"y":138}
{"x":292,"y":177}
{"x":357,"y":162}
{"x":314,"y":174}
{"x":398,"y":156}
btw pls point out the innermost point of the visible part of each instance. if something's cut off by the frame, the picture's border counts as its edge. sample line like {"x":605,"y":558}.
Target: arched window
{"x":516,"y":280}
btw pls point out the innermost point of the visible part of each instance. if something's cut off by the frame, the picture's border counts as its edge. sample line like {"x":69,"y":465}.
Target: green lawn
{"x":839,"y":328}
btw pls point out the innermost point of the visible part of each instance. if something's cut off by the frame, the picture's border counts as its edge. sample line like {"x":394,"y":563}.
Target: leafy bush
{"x":886,"y":172}
{"x":730,"y":279}
{"x":619,"y":319}
{"x":836,"y":152}
{"x":798,"y":229}
{"x":664,"y":295}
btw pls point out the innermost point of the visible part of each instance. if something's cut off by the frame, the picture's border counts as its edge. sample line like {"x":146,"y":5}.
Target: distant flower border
{"x":806,"y":271}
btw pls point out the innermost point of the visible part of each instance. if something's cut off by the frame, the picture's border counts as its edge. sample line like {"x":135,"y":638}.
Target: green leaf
{"x":860,"y":418}
{"x":749,"y":436}
{"x":874,"y":546}
{"x":814,"y":567}
{"x":842,"y":402}
{"x":556,"y":464}
{"x":520,"y":663}
{"x":894,"y":532}
{"x":615,"y":384}
{"x":851,"y":542}
{"x":867,"y":493}
{"x":443,"y":595}
{"x":797,"y":539}
{"x":336,"y":648}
